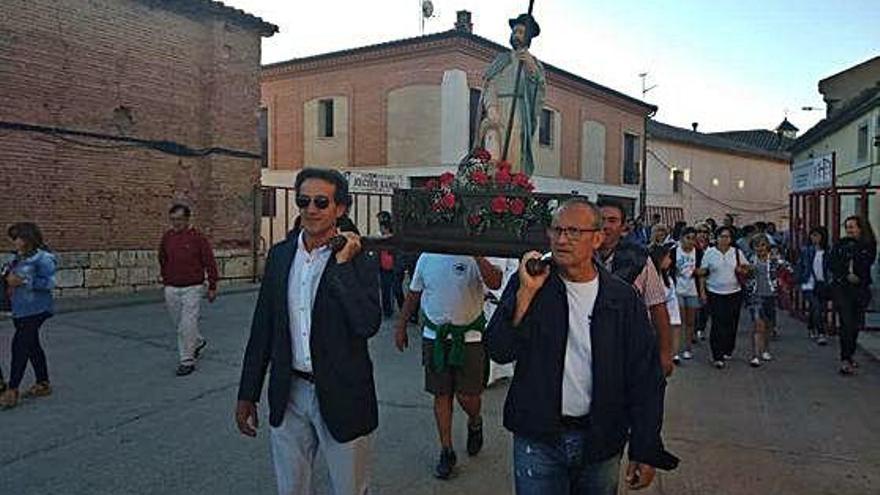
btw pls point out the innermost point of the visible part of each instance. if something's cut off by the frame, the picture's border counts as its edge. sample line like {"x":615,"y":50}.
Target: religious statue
{"x":513,"y":96}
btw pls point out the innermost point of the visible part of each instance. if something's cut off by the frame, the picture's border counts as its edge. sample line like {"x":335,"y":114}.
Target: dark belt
{"x":305,"y":375}
{"x":575,"y":422}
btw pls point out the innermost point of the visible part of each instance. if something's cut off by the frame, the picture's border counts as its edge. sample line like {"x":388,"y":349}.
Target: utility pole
{"x":643,"y":179}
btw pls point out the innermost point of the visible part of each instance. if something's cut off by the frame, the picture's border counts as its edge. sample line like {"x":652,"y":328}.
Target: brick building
{"x":113,"y":110}
{"x":393,"y":109}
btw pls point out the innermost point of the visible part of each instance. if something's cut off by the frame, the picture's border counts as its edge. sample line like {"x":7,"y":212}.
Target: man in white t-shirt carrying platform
{"x":451,"y":290}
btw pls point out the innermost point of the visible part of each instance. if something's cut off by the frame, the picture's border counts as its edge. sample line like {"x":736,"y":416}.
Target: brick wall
{"x":122,"y":67}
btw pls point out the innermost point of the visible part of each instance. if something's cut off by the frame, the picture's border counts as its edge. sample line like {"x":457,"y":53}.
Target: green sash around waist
{"x":455,"y":359}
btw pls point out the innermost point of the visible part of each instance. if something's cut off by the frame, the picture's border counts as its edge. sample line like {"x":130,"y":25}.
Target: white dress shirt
{"x":305,"y":275}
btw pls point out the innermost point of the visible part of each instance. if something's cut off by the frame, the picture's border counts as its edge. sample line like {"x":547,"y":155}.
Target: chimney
{"x":694,"y":125}
{"x":463,"y":21}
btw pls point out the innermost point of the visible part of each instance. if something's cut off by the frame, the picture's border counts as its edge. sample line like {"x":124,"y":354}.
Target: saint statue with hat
{"x":506,"y":86}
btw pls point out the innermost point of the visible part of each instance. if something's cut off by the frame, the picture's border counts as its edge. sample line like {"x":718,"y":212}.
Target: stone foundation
{"x":91,"y":273}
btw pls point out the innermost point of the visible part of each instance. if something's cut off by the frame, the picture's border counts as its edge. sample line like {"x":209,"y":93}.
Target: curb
{"x":152,"y":296}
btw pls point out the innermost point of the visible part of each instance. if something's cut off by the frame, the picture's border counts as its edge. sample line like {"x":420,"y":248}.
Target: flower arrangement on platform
{"x":484,"y":194}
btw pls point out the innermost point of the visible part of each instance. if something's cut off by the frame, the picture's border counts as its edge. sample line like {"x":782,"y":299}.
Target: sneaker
{"x":727,"y":357}
{"x":200,"y":348}
{"x":676,"y":359}
{"x":687,"y":355}
{"x":755,"y":362}
{"x":766,"y":356}
{"x":39,"y":389}
{"x":475,"y":436}
{"x":9,"y":399}
{"x":822,"y":340}
{"x":185,"y":369}
{"x":846,"y":368}
{"x":443,"y":470}
{"x":719,"y":364}
{"x":701,"y":335}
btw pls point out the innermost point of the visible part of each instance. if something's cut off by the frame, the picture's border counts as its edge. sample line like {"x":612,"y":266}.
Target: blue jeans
{"x":558,"y":468}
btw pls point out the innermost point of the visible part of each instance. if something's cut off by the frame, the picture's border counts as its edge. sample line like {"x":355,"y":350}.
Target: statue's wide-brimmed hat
{"x":529,"y":22}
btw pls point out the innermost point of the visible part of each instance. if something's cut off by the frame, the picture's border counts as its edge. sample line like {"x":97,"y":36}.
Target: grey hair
{"x":581,"y":201}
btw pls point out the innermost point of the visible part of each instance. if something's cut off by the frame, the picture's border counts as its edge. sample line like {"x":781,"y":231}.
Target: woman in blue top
{"x":30,"y":279}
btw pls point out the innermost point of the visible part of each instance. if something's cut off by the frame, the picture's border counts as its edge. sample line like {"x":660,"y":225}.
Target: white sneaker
{"x":766,"y":356}
{"x":719,"y":364}
{"x":755,"y":362}
{"x":687,"y":355}
{"x":676,"y":359}
{"x":727,"y":357}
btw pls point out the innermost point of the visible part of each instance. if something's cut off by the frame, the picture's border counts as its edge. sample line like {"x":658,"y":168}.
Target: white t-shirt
{"x":722,"y":270}
{"x":452,"y":291}
{"x":685,"y":264}
{"x":816,"y":273}
{"x":577,"y":375}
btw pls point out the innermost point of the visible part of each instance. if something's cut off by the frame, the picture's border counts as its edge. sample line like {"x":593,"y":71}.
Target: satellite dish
{"x":427,"y":9}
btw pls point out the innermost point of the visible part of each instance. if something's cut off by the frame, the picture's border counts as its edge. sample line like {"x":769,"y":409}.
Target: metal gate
{"x":278,"y":214}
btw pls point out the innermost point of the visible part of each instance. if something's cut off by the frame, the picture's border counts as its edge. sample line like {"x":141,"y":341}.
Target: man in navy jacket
{"x":588,"y":377}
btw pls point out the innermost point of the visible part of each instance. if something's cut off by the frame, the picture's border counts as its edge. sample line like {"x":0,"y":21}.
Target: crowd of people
{"x":577,"y":395}
{"x":713,"y":273}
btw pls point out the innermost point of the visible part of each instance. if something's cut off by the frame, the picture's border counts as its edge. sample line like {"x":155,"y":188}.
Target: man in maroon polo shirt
{"x":185,"y":256}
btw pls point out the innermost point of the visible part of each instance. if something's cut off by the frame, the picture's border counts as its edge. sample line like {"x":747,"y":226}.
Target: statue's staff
{"x":519,"y":69}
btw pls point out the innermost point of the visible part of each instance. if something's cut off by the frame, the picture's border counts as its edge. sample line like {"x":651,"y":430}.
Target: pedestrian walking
{"x":588,"y":376}
{"x":813,"y":276}
{"x":185,"y":257}
{"x":630,"y":262}
{"x":760,"y":292}
{"x":850,"y":265}
{"x":704,"y":240}
{"x":390,"y":270}
{"x":451,"y":290}
{"x":687,"y":260}
{"x":720,"y":273}
{"x":30,"y":278}
{"x":315,"y":311}
{"x":661,"y":256}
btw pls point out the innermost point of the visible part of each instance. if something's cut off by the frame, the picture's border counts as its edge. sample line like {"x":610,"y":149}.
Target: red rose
{"x":432,"y":184}
{"x":480,"y":177}
{"x":522,"y":180}
{"x":498,"y":204}
{"x":517,"y":206}
{"x":448,"y":201}
{"x":446,"y":178}
{"x":502,"y":177}
{"x":504,"y":165}
{"x":482,"y":154}
{"x":474,"y":220}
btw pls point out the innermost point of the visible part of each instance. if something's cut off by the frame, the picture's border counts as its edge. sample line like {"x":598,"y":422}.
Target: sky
{"x":726,"y":64}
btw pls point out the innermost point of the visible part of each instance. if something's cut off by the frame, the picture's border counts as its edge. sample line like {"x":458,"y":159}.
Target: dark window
{"x":545,"y":132}
{"x":325,"y":118}
{"x":630,"y":159}
{"x":269,"y":205}
{"x":474,"y":122}
{"x":863,"y":143}
{"x":263,"y":131}
{"x":677,"y":180}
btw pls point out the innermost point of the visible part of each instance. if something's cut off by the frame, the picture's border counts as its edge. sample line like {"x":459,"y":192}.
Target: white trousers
{"x":296,"y":441}
{"x":184,"y":305}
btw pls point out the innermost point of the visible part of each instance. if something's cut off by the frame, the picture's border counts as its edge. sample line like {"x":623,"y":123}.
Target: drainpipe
{"x":643,"y":187}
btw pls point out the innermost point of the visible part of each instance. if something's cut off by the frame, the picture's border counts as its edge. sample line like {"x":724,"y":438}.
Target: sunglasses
{"x":321,"y":202}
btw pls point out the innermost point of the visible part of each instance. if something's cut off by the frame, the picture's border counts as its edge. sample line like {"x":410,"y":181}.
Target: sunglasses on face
{"x":321,"y":202}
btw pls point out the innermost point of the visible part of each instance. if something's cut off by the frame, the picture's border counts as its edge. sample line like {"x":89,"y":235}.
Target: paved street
{"x":120,"y":422}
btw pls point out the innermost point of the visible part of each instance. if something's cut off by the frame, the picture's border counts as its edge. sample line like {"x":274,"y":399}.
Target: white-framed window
{"x":325,"y":118}
{"x":631,"y":158}
{"x":546,"y":127}
{"x":677,"y":181}
{"x":862,"y":154}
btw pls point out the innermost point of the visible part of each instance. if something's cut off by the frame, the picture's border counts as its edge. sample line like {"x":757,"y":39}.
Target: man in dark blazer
{"x":315,"y":311}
